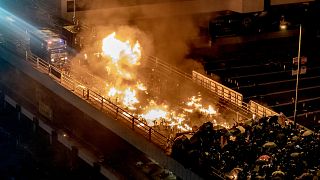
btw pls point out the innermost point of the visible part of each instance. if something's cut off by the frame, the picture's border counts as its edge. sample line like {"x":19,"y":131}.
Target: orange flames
{"x":118,"y":50}
{"x":130,"y":92}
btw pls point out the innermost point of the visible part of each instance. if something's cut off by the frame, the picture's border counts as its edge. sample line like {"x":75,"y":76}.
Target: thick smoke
{"x":167,"y":38}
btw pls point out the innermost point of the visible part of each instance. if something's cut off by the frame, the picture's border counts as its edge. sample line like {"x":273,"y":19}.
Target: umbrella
{"x":277,"y":173}
{"x":249,"y":122}
{"x":242,"y":129}
{"x":234,"y":131}
{"x":233,"y":174}
{"x":305,"y":176}
{"x":270,"y":145}
{"x":295,"y":154}
{"x":264,"y":158}
{"x":260,"y":177}
{"x":218,"y":127}
{"x":294,"y":138}
{"x":307,"y":133}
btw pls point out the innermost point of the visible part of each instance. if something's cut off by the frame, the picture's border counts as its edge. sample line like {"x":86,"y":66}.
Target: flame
{"x":123,"y":86}
{"x":194,"y":103}
{"x":112,"y":92}
{"x":130,"y":98}
{"x":141,"y":86}
{"x":118,"y":50}
{"x":153,"y":115}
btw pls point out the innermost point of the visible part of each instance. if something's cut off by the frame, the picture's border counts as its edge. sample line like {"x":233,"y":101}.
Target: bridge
{"x":64,"y":107}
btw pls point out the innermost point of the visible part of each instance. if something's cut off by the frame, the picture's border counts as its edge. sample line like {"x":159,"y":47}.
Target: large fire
{"x":134,"y":94}
{"x":118,"y":50}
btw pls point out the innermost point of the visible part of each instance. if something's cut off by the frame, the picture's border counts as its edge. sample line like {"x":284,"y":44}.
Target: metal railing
{"x":100,"y":102}
{"x":219,"y":91}
{"x":260,"y":110}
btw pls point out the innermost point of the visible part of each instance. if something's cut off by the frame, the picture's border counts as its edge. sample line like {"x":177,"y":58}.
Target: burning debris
{"x":129,"y":85}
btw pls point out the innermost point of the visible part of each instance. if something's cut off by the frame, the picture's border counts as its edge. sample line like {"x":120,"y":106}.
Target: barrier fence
{"x":219,"y":89}
{"x":100,"y":102}
{"x":133,"y":122}
{"x":241,"y":112}
{"x":260,"y":110}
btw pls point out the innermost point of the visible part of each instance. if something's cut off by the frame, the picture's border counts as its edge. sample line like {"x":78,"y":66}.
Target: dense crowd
{"x":265,"y":148}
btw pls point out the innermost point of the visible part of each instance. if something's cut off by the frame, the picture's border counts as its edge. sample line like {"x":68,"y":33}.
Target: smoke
{"x":167,"y":37}
{"x":171,"y":37}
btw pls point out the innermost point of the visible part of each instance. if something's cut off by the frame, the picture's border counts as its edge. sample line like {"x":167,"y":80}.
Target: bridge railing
{"x":100,"y":102}
{"x":213,"y":88}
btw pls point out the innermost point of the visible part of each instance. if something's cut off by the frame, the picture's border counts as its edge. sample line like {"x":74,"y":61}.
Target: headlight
{"x":52,"y":60}
{"x":65,"y":58}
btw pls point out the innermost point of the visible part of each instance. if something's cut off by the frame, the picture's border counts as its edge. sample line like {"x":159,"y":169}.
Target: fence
{"x":99,"y":101}
{"x":135,"y":123}
{"x":259,"y":110}
{"x":219,"y":89}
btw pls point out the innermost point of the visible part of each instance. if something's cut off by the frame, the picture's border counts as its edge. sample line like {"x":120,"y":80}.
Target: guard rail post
{"x":83,"y":95}
{"x":102,"y":99}
{"x":132,"y":122}
{"x":61,"y":76}
{"x":37,"y":63}
{"x":117,"y":111}
{"x":88,"y":96}
{"x":150,"y":133}
{"x":26,"y":55}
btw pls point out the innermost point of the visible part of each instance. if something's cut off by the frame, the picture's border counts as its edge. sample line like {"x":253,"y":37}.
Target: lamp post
{"x":297,"y":80}
{"x":74,"y":12}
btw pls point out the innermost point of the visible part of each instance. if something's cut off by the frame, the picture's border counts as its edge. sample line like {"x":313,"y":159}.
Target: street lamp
{"x":297,"y":80}
{"x":74,"y":12}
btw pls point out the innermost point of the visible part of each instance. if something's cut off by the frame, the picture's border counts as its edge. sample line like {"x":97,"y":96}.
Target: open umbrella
{"x":270,"y":145}
{"x":295,"y":154}
{"x":295,"y":138}
{"x":218,"y":127}
{"x":307,"y":133}
{"x":249,"y":122}
{"x":305,"y":176}
{"x":242,"y":129}
{"x":278,"y":174}
{"x":264,"y":158}
{"x":233,"y":174}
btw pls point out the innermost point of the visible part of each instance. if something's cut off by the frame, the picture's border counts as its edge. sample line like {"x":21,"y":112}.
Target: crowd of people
{"x":265,"y":148}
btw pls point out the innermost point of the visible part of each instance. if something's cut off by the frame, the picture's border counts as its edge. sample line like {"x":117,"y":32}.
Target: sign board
{"x":303,"y":60}
{"x":303,"y":70}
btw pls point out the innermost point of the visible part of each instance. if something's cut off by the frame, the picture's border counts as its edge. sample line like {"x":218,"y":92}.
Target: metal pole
{"x":74,"y":12}
{"x":297,"y":80}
